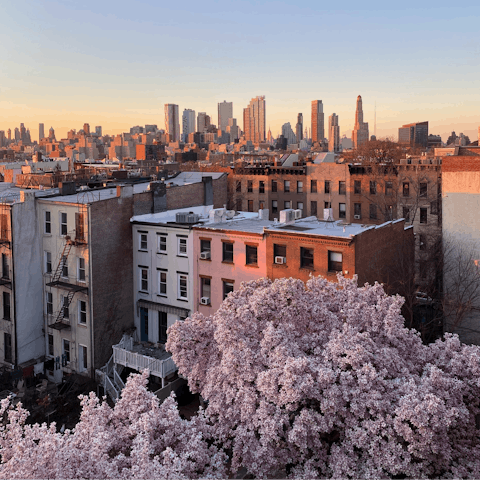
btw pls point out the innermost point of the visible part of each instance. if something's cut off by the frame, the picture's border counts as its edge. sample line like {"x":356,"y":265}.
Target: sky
{"x":116,"y":63}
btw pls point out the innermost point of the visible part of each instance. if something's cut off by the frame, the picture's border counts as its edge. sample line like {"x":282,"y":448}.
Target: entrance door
{"x":143,"y":324}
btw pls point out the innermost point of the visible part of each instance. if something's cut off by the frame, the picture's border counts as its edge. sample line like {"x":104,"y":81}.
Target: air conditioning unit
{"x":357,"y":217}
{"x":280,"y":260}
{"x":287,"y":216}
{"x":205,"y":300}
{"x":298,"y":214}
{"x":205,"y":255}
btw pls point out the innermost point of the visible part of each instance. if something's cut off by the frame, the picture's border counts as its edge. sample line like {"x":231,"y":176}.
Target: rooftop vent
{"x":187,"y":217}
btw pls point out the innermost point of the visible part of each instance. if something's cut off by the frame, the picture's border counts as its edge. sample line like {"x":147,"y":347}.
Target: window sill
{"x":311,"y":269}
{"x":144,"y":251}
{"x":143,"y":292}
{"x":161,"y":253}
{"x":204,"y":304}
{"x":82,"y":324}
{"x":182,"y":256}
{"x":228,"y":263}
{"x":205,"y":259}
{"x":281,"y":265}
{"x":252,"y":265}
{"x":163,"y":295}
{"x":182,"y":300}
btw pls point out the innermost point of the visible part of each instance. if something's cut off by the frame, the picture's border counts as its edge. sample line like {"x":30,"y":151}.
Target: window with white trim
{"x":66,"y":307}
{"x":48,"y":261}
{"x":162,"y":243}
{"x":49,"y":303}
{"x":81,"y":269}
{"x":63,"y":224}
{"x":182,"y":286}
{"x":82,"y":312}
{"x":162,"y":283}
{"x":143,"y":241}
{"x":182,"y":246}
{"x":143,"y":280}
{"x":48,"y":222}
{"x":66,"y":350}
{"x":82,"y":358}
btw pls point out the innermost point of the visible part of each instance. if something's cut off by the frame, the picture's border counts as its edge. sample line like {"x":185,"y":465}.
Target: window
{"x":182,"y":246}
{"x":4,"y":227}
{"x":5,"y":270}
{"x":357,"y":187}
{"x":434,"y":207}
{"x":205,"y":246}
{"x":373,"y":187}
{"x":238,"y":186}
{"x":162,"y":283}
{"x":327,"y":186}
{"x":227,"y":288}
{"x":423,"y":242}
{"x":249,"y":186}
{"x":251,"y":255}
{"x":250,"y":205}
{"x":48,"y":262}
{"x":279,"y":251}
{"x":65,"y":307}
{"x":238,"y":205}
{"x":82,"y":312}
{"x":162,"y":243}
{"x":82,"y":358}
{"x":342,"y":210}
{"x":274,"y":186}
{"x":335,"y":261}
{"x":49,"y":300}
{"x":6,"y":306}
{"x":313,"y":208}
{"x":274,"y":206}
{"x":406,"y":189}
{"x":63,"y":223}
{"x":357,"y":210}
{"x":306,"y":257}
{"x":48,"y":222}
{"x":81,"y":269}
{"x":261,"y":187}
{"x":7,"y":345}
{"x":342,"y":188}
{"x":162,"y":327}
{"x":261,"y":205}
{"x":299,"y":187}
{"x":182,"y":286}
{"x":142,"y":241}
{"x":206,"y":287}
{"x":286,"y":186}
{"x":143,"y":280}
{"x":300,"y":206}
{"x":423,"y":189}
{"x":227,"y":252}
{"x":79,"y":226}
{"x":373,"y":211}
{"x":313,"y":186}
{"x":388,"y":188}
{"x":406,"y":213}
{"x":66,"y":352}
{"x":327,"y":204}
{"x":287,"y":204}
{"x":423,"y":215}
{"x":50,"y":345}
{"x":388,"y":213}
{"x":64,"y":262}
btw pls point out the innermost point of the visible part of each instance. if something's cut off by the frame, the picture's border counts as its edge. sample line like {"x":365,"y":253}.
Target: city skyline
{"x":84,"y":77}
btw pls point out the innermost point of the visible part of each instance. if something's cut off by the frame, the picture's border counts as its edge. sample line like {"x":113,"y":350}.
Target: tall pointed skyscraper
{"x":299,"y":128}
{"x":360,"y":131}
{"x":318,"y":121}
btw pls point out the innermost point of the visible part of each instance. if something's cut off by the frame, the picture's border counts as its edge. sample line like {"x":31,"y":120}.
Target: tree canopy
{"x":323,"y":380}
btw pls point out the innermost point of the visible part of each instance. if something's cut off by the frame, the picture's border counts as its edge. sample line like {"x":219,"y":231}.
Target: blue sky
{"x":116,"y":63}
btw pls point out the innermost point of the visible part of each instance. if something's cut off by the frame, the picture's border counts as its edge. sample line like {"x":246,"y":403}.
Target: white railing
{"x":137,"y":361}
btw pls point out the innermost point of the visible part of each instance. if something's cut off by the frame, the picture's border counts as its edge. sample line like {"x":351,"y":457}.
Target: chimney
{"x":124,"y":191}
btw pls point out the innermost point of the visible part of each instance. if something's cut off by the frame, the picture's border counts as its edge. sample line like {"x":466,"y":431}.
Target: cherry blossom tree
{"x":324,"y":380}
{"x":138,"y":438}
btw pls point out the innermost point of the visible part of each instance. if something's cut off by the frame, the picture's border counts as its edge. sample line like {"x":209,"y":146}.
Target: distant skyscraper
{"x":98,"y":130}
{"x":41,"y":131}
{"x":288,"y":133}
{"x":172,"y":122}
{"x":86,"y":128}
{"x":333,"y":133}
{"x":233,"y":129}
{"x":17,"y":134}
{"x":414,"y":134}
{"x":225,"y":111}
{"x":254,"y":117}
{"x":9,"y":134}
{"x":188,"y":123}
{"x":360,"y":130}
{"x":2,"y":138}
{"x":318,"y":121}
{"x":51,"y":134}
{"x":299,"y":128}
{"x":203,"y":121}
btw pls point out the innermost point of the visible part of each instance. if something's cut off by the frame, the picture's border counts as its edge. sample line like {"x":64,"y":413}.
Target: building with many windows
{"x":254,"y":118}
{"x":172,"y":122}
{"x":318,"y":122}
{"x":414,"y":135}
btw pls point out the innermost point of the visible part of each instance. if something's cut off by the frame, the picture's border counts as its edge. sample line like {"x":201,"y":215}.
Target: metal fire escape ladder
{"x":63,"y":258}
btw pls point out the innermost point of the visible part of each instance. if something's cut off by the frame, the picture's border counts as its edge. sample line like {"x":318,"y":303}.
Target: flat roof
{"x":170,"y":216}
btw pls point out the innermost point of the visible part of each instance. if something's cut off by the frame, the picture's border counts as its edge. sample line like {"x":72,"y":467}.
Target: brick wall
{"x":461,"y":164}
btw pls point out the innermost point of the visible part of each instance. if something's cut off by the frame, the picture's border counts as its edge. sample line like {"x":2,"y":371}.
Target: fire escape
{"x":5,"y":279}
{"x":62,"y":321}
